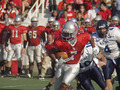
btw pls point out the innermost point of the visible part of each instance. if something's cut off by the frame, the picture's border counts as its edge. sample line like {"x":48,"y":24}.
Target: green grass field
{"x":12,"y":83}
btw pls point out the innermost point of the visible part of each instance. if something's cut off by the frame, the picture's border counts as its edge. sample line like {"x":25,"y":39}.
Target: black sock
{"x":6,"y":70}
{"x":2,"y":72}
{"x":39,"y":72}
{"x":30,"y":71}
{"x":19,"y":70}
{"x":49,"y":85}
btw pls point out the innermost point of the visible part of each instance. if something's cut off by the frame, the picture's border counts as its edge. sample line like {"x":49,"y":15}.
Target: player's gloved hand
{"x":95,"y":52}
{"x":61,"y":60}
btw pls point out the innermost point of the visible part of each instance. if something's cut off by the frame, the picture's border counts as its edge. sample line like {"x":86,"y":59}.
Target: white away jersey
{"x":88,"y":53}
{"x":108,"y":45}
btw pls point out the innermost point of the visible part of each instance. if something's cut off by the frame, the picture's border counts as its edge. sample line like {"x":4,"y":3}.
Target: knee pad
{"x":31,"y":64}
{"x":39,"y":64}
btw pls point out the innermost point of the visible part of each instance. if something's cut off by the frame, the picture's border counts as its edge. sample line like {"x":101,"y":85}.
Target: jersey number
{"x":32,"y":34}
{"x":73,"y":53}
{"x":15,"y":33}
{"x":107,"y":49}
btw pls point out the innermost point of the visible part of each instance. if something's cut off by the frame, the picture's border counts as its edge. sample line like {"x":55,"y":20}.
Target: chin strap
{"x":73,"y":41}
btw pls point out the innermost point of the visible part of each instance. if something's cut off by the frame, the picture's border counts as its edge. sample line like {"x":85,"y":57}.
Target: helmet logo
{"x":103,"y":26}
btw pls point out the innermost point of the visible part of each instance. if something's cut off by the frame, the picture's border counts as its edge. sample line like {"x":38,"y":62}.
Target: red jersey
{"x":97,"y":1}
{"x":118,"y":26}
{"x":71,"y":14}
{"x":105,"y":14}
{"x":70,"y":1}
{"x":11,"y":13}
{"x":48,"y":46}
{"x":34,"y":35}
{"x":16,"y":33}
{"x":62,"y":21}
{"x":56,"y":33}
{"x":48,"y":29}
{"x":88,"y":5}
{"x":82,"y":40}
{"x":91,"y":29}
{"x":2,"y":26}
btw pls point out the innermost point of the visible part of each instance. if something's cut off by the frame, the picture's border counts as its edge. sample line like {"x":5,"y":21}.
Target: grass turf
{"x":12,"y":83}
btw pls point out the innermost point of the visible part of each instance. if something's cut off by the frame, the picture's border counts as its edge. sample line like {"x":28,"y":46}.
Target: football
{"x":62,"y":53}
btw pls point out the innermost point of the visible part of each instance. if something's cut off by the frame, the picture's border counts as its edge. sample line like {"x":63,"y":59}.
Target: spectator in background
{"x":25,"y":3}
{"x":62,"y":11}
{"x":88,"y":4}
{"x":83,"y":11}
{"x":55,"y":14}
{"x":1,"y":12}
{"x":118,"y":8}
{"x":10,"y":11}
{"x":17,"y":4}
{"x":5,"y":16}
{"x":61,"y":5}
{"x":93,"y":12}
{"x":105,"y":12}
{"x":63,"y":19}
{"x":70,"y":1}
{"x":4,"y":3}
{"x":79,"y":18}
{"x":78,"y":3}
{"x":113,"y":8}
{"x":71,"y":13}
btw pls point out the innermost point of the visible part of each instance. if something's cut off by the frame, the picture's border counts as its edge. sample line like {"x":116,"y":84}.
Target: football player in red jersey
{"x":115,"y":22}
{"x":49,"y":24}
{"x":88,"y":26}
{"x":15,"y":34}
{"x":48,"y":28}
{"x":73,"y":44}
{"x":2,"y":26}
{"x":56,"y":29}
{"x":34,"y":45}
{"x":8,"y":21}
{"x":48,"y":46}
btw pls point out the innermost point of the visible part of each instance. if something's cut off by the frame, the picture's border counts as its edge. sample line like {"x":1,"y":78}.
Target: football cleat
{"x":46,"y":88}
{"x":40,"y":77}
{"x":29,"y":75}
{"x":18,"y":75}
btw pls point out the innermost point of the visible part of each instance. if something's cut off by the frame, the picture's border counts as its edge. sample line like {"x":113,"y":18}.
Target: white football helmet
{"x":97,"y":18}
{"x":115,"y":20}
{"x":69,"y":31}
{"x":56,"y":25}
{"x":87,"y":22}
{"x":74,"y":20}
{"x":8,"y":21}
{"x":50,"y":21}
{"x":17,"y":20}
{"x":34,"y":21}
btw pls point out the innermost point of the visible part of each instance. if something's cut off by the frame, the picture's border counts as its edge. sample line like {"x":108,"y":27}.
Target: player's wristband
{"x":25,"y":44}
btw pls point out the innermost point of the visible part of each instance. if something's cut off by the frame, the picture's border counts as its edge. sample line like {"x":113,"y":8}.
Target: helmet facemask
{"x":34,"y":24}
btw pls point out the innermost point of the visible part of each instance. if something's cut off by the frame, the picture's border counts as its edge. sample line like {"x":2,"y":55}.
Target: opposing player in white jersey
{"x":107,"y":39}
{"x":89,"y":70}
